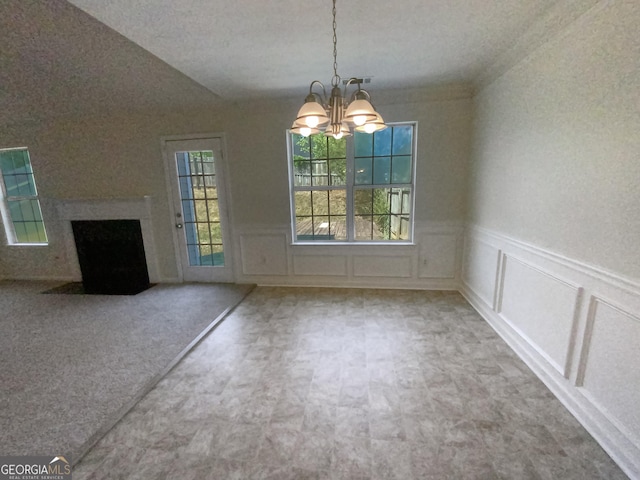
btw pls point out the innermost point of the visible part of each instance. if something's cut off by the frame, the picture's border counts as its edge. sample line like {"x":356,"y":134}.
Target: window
{"x":356,"y":189}
{"x":20,"y":206}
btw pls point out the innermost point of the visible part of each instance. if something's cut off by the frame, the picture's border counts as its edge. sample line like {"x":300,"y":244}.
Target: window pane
{"x":382,"y":142}
{"x":217,"y":255}
{"x":382,"y":227}
{"x":214,"y":211}
{"x":364,"y":227}
{"x":11,"y":185}
{"x":363,"y":202}
{"x":42,"y":234}
{"x":15,"y":162}
{"x":304,"y":228}
{"x":337,"y":202}
{"x":401,"y":169}
{"x":300,"y":146}
{"x":338,"y":227}
{"x":338,"y":169}
{"x":381,"y":170}
{"x":15,"y":211}
{"x":400,"y":209}
{"x":301,"y":173}
{"x":363,"y":144}
{"x":363,"y":171}
{"x":380,"y":200}
{"x":26,"y":208}
{"x":32,"y":232}
{"x":21,"y":232}
{"x":336,"y":148}
{"x":206,"y":255}
{"x":26,"y":186}
{"x":203,"y":233}
{"x":320,"y":203}
{"x":201,"y":211}
{"x":318,"y":146}
{"x":321,"y":227}
{"x":402,"y":140}
{"x":319,"y":173}
{"x":216,"y":233}
{"x":302,"y":203}
{"x":207,"y":158}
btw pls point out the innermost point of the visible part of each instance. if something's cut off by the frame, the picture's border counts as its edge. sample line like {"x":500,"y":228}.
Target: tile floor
{"x":302,"y":383}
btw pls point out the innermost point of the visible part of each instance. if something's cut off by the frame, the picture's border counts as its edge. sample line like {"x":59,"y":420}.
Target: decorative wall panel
{"x":479,"y":268}
{"x":320,"y":265}
{"x":263,"y":254}
{"x":609,"y":372}
{"x":382,"y":266}
{"x":540,"y":307}
{"x":438,"y":253}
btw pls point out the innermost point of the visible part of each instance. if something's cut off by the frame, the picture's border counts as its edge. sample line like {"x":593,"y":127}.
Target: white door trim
{"x":225,"y":205}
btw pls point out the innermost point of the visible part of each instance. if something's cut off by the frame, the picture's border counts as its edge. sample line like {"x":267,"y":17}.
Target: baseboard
{"x":573,"y":324}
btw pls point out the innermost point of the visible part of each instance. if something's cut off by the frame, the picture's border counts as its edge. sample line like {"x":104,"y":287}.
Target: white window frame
{"x":350,"y":188}
{"x":5,"y":213}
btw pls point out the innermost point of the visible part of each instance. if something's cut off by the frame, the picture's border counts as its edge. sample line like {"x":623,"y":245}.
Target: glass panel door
{"x":200,"y":218}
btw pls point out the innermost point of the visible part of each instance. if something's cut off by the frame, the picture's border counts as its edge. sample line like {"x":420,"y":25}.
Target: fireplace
{"x":111,"y":256}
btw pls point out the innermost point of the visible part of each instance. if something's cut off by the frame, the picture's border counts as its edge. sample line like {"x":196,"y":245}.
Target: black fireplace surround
{"x":111,"y":256}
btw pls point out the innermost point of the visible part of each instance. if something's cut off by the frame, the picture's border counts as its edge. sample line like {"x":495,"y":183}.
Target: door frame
{"x":221,"y":164}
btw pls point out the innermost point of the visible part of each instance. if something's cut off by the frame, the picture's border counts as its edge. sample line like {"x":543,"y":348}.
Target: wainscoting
{"x":268,"y":257}
{"x":576,"y":326}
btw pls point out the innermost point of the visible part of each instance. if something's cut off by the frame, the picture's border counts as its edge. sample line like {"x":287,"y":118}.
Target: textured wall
{"x":557,"y":139}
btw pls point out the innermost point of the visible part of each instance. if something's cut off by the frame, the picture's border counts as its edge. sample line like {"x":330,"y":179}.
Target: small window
{"x":355,"y":189}
{"x":20,"y":206}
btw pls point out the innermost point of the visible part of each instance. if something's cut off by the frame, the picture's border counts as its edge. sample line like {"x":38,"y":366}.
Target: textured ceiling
{"x":250,"y":48}
{"x":85,"y":57}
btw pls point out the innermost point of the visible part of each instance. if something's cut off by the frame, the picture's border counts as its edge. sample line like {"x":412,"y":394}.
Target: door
{"x":200,"y":220}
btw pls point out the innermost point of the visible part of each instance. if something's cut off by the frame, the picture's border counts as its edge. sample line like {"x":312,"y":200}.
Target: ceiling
{"x":257,"y":48}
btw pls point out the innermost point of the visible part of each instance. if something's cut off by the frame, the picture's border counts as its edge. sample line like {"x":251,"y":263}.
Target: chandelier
{"x":336,"y":116}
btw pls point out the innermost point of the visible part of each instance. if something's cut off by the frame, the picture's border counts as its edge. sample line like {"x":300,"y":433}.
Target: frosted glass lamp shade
{"x":373,"y":126}
{"x":337,"y":131}
{"x":359,"y":112}
{"x":311,"y":115}
{"x":303,"y":130}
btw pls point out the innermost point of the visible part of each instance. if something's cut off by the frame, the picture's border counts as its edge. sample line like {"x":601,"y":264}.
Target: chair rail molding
{"x":575,"y":325}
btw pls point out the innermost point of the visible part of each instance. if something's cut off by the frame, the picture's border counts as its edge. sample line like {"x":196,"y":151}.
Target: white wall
{"x":115,"y":157}
{"x":552,"y":254}
{"x":261,"y":198}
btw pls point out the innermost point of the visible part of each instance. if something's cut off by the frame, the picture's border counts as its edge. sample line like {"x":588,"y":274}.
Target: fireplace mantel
{"x":138,"y":208}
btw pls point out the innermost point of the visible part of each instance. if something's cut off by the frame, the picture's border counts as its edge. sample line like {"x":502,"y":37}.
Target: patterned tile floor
{"x":301,"y":383}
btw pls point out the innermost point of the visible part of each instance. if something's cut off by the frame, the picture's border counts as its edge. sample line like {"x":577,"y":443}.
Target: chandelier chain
{"x":336,"y":79}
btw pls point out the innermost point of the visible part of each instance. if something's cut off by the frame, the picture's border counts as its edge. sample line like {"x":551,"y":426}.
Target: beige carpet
{"x":72,"y":365}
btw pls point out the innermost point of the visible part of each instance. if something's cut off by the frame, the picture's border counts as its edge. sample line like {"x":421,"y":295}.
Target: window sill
{"x":354,"y":244}
{"x":27,"y":245}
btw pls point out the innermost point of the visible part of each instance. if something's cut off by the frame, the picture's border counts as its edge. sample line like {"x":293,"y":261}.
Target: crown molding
{"x":552,"y":23}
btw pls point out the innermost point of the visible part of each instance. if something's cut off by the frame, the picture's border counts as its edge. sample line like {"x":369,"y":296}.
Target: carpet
{"x":77,"y":288}
{"x":72,"y":365}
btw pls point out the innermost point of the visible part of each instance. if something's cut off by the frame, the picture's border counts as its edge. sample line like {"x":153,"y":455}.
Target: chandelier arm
{"x":336,"y":113}
{"x":351,"y":81}
{"x":361,"y":93}
{"x":322,"y":99}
